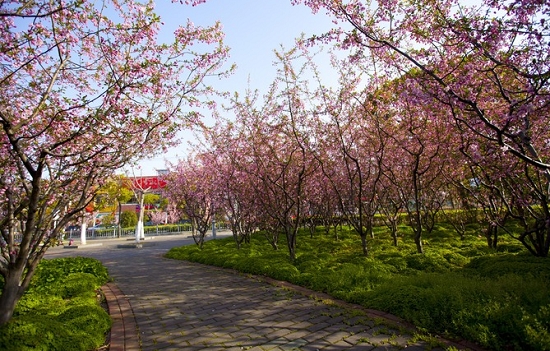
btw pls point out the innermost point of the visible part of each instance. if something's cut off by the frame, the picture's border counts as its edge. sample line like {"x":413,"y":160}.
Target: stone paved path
{"x":185,"y":306}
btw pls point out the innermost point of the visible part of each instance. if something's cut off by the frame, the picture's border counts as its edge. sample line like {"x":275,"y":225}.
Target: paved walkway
{"x":162,"y":304}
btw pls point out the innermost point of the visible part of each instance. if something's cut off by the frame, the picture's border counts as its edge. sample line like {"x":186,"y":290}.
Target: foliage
{"x":128,"y":219}
{"x":113,"y":193}
{"x":500,"y":313}
{"x":108,"y":219}
{"x":54,"y":270}
{"x":438,"y":104}
{"x":458,"y":288}
{"x":190,"y":189}
{"x":60,"y":310}
{"x":151,"y":199}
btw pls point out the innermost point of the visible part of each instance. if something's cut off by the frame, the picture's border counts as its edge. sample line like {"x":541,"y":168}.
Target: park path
{"x":180,"y":305}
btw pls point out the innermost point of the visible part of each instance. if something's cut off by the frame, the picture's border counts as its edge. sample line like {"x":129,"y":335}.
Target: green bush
{"x":80,"y":316}
{"x":128,"y":219}
{"x":108,"y":219}
{"x":61,"y":309}
{"x":427,"y":262}
{"x":44,"y":332}
{"x":76,"y":284}
{"x":456,"y":259}
{"x":502,"y":264}
{"x":496,"y":313}
{"x":53,"y":270}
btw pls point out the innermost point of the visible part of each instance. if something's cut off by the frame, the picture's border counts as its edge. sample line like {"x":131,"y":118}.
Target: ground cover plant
{"x":61,"y":310}
{"x":459,"y":288}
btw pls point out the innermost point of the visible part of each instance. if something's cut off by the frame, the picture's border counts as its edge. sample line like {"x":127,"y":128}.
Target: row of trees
{"x":438,"y":105}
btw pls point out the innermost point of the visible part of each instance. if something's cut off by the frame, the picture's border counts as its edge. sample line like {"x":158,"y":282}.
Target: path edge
{"x":124,"y":329}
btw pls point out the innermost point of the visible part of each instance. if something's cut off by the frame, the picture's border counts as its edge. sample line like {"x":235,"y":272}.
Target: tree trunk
{"x":537,"y":240}
{"x":272,"y":236}
{"x":312,"y":226}
{"x":237,"y":240}
{"x":291,"y":234}
{"x":11,"y":293}
{"x":292,"y":248}
{"x":119,"y":216}
{"x":292,"y":254}
{"x":202,"y":234}
{"x":369,"y":228}
{"x":393,"y":229}
{"x":418,"y":240}
{"x":140,"y":232}
{"x":492,"y":236}
{"x":364,"y":245}
{"x":83,"y":230}
{"x":417,"y":228}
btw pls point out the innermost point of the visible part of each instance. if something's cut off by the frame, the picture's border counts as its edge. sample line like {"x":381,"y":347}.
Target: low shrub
{"x":427,"y":262}
{"x":128,"y":219}
{"x":53,"y":270}
{"x":502,"y":264}
{"x":43,"y":332}
{"x":496,"y":313}
{"x":61,"y":309}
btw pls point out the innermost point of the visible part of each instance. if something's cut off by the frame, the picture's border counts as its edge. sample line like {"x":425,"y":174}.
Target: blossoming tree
{"x":190,"y":187}
{"x":86,"y":88}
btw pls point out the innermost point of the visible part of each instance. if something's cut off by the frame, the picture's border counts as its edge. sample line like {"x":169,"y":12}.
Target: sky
{"x":253,"y":29}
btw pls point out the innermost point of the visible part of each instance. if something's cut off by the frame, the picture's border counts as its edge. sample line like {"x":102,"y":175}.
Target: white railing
{"x":109,"y":233}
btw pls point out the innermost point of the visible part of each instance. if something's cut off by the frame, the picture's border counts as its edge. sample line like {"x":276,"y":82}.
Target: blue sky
{"x":253,"y":29}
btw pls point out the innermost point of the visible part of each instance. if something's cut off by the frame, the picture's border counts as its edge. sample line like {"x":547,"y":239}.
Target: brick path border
{"x":124,"y":331}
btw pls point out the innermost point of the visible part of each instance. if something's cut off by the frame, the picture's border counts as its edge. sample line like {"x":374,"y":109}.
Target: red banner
{"x":148,"y":183}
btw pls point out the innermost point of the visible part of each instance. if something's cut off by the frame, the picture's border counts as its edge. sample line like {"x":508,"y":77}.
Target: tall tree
{"x":85,"y":89}
{"x":351,"y":150}
{"x":235,"y":189}
{"x":422,"y":141}
{"x":284,"y":156}
{"x":191,"y":188}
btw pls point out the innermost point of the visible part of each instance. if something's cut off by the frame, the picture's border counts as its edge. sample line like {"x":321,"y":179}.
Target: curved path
{"x":162,"y":304}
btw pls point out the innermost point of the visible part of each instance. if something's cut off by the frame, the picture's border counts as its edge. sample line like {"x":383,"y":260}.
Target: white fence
{"x":106,"y":233}
{"x":109,"y":233}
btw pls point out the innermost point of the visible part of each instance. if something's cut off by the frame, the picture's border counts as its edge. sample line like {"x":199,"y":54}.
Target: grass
{"x":61,"y":310}
{"x":457,"y":288}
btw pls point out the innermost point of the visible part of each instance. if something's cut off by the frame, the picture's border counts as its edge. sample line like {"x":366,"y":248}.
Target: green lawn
{"x":457,"y":288}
